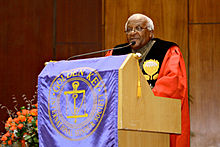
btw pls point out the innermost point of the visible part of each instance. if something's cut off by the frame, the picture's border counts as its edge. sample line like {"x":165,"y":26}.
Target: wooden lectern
{"x":144,"y":121}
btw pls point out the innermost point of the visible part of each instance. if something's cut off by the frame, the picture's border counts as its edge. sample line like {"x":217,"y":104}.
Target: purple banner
{"x":77,"y":103}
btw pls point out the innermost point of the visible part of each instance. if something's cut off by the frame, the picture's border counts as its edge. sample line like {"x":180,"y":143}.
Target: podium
{"x":77,"y":105}
{"x":148,"y":120}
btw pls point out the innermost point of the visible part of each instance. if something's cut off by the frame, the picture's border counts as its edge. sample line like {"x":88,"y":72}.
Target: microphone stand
{"x":85,"y":54}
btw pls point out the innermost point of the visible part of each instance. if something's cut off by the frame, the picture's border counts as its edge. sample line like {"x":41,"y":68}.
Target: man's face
{"x":139,"y":32}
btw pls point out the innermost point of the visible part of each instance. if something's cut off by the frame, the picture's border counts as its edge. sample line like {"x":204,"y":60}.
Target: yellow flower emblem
{"x":151,"y":67}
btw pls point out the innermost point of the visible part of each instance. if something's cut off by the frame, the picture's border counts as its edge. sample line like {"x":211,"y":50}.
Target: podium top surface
{"x":100,"y":64}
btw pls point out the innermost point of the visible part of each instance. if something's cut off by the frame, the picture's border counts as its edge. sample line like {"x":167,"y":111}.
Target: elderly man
{"x":163,"y":66}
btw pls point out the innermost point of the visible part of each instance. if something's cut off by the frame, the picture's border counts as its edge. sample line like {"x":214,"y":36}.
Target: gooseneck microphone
{"x":80,"y":55}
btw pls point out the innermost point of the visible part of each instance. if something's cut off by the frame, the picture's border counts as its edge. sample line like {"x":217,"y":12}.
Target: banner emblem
{"x":77,"y":102}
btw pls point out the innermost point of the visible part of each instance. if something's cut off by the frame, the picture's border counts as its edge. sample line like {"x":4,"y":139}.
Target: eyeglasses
{"x":136,"y":29}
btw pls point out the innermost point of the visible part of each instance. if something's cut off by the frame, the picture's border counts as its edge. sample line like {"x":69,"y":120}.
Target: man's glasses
{"x":136,"y":29}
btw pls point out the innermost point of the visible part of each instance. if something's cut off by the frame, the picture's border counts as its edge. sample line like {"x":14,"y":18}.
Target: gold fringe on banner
{"x":49,"y":62}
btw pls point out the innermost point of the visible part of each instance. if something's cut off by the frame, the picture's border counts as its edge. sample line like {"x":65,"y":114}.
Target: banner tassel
{"x":139,"y":84}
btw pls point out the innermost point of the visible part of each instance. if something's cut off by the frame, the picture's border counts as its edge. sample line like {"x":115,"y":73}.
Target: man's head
{"x":139,"y":28}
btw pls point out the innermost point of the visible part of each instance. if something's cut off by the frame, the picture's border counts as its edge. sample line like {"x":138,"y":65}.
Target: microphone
{"x":133,"y":43}
{"x":80,"y":55}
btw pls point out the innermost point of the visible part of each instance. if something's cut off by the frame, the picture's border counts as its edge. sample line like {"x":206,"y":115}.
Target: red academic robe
{"x":172,"y":83}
